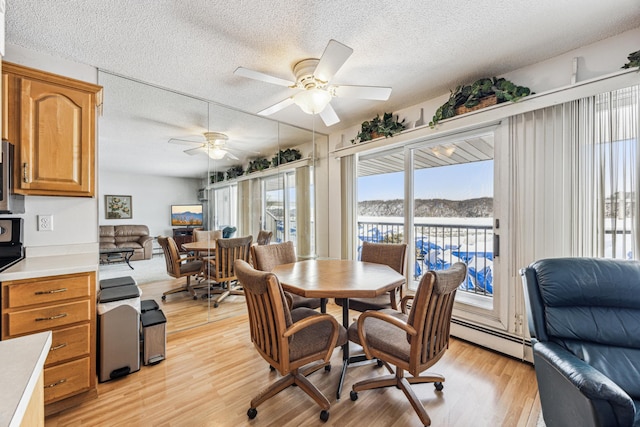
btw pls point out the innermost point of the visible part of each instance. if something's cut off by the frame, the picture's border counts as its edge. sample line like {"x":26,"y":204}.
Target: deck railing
{"x":437,"y":246}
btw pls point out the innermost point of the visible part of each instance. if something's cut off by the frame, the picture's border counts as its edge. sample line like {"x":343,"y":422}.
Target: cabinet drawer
{"x":67,"y":379}
{"x":24,"y":293}
{"x":45,"y":318}
{"x":68,"y":343}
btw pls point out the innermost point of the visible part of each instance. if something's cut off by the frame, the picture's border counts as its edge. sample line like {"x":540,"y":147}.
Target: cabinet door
{"x":56,"y":139}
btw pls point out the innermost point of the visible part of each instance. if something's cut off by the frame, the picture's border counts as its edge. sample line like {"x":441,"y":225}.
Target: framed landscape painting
{"x":118,"y":207}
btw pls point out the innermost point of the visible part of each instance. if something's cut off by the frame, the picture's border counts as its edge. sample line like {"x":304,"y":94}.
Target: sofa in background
{"x":127,"y":236}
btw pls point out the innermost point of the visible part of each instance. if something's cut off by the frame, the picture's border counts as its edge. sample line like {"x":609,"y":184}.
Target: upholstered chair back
{"x":590,"y":307}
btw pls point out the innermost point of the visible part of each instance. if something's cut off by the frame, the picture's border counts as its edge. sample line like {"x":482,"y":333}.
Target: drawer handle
{"x":64,"y":380}
{"x":58,"y":347}
{"x":53,"y":291}
{"x":57,"y":316}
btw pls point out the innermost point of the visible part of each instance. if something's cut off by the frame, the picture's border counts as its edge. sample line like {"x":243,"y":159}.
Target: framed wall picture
{"x":118,"y":207}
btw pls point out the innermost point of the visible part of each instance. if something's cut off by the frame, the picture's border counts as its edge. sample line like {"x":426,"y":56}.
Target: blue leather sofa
{"x":584,"y":319}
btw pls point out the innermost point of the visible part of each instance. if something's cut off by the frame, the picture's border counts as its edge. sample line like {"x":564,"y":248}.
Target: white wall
{"x":151,"y":197}
{"x":74,"y":218}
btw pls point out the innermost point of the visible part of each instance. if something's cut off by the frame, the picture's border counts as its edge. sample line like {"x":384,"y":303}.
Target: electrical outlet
{"x":45,"y":222}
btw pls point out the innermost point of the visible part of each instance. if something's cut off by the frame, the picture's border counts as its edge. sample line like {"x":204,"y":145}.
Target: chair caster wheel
{"x":379,"y":363}
{"x":195,"y":298}
{"x":324,"y":415}
{"x":252,"y":412}
{"x":438,"y":386}
{"x":164,"y":297}
{"x":327,"y":368}
{"x":215,"y":305}
{"x":271,"y":368}
{"x":353,"y":395}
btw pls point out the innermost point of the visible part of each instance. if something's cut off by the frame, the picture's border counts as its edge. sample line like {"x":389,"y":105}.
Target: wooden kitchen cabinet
{"x":51,"y":120}
{"x":66,"y":305}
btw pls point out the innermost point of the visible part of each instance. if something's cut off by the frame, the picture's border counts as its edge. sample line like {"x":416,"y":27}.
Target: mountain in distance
{"x":481,"y":207}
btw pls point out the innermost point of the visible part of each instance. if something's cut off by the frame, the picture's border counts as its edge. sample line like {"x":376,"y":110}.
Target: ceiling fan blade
{"x":257,"y":75}
{"x":329,"y":116}
{"x":194,"y":151}
{"x":183,"y":141}
{"x":276,"y":107}
{"x":334,"y":56}
{"x":378,"y":93}
{"x":232,"y":156}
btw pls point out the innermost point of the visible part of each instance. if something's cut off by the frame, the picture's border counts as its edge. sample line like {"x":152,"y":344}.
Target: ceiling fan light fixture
{"x":312,"y":101}
{"x":216,"y":153}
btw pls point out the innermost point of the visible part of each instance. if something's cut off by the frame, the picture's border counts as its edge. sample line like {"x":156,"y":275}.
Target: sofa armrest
{"x":147,"y":246}
{"x":572,"y":392}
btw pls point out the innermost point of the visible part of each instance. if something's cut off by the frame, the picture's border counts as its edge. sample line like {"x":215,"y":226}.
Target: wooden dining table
{"x":200,"y":246}
{"x":331,"y":278}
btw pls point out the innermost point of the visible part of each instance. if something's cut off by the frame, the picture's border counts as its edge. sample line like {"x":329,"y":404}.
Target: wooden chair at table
{"x":391,"y":254}
{"x":287,"y":339}
{"x":264,"y":237}
{"x":220,"y":268}
{"x":179,"y":266}
{"x":207,"y":236}
{"x":266,"y":257}
{"x":412,"y":342}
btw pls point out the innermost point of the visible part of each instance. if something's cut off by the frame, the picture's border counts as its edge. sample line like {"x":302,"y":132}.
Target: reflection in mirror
{"x":155,"y":145}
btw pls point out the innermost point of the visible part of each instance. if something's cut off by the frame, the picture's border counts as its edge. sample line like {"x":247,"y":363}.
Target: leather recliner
{"x":584,"y":320}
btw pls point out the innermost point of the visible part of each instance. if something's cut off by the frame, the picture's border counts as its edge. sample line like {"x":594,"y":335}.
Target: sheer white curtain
{"x":574,"y":179}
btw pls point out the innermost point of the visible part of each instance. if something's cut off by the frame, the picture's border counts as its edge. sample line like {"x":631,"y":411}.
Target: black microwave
{"x":9,"y":202}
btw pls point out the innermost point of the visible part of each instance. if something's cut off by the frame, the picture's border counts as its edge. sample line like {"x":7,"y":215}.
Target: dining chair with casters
{"x":220,"y":268}
{"x":391,"y":254}
{"x":204,"y":235}
{"x":264,"y":237}
{"x":179,"y":266}
{"x":411,"y":342}
{"x":289,"y":340}
{"x":266,"y":257}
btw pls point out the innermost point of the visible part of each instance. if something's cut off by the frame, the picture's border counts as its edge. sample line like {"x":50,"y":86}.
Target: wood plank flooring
{"x":212,"y":372}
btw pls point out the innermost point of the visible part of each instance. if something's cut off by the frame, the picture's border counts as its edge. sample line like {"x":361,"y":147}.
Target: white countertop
{"x":22,"y":360}
{"x":53,"y":265}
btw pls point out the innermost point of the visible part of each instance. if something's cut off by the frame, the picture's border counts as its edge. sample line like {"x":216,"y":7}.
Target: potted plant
{"x":285,"y":156}
{"x":634,"y":60}
{"x":234,"y":171}
{"x":258,"y":165}
{"x":480,"y":94}
{"x":217,"y":177}
{"x":377,"y":127}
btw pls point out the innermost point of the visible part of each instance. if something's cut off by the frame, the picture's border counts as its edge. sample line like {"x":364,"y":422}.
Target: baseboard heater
{"x":492,"y":339}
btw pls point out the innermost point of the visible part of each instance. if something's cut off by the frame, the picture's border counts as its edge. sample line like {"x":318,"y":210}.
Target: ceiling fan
{"x":312,"y":81}
{"x":215,"y":146}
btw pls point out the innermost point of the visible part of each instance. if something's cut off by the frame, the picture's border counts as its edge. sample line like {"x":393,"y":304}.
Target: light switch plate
{"x":45,"y":222}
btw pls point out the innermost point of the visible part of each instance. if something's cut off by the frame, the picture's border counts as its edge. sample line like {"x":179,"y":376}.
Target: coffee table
{"x":107,"y":256}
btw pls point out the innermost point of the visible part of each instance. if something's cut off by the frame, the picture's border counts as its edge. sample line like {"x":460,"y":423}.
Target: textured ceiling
{"x":420,"y":49}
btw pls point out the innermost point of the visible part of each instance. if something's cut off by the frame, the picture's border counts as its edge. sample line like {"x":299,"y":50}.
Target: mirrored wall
{"x":175,"y":154}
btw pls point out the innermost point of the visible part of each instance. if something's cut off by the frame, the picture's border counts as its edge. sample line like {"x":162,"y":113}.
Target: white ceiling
{"x":421,"y":49}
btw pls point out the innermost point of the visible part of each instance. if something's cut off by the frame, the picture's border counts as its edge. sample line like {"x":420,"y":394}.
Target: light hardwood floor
{"x":212,"y":372}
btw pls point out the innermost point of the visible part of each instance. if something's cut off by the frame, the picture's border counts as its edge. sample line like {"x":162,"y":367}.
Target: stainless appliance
{"x":11,"y":247}
{"x":9,"y":202}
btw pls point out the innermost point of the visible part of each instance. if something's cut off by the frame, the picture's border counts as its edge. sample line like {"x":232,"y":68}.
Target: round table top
{"x":332,"y":278}
{"x":202,"y":245}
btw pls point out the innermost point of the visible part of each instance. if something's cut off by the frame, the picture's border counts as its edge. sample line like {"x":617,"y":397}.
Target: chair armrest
{"x":188,"y":258}
{"x":404,"y":301}
{"x":574,"y":392}
{"x":384,"y":317}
